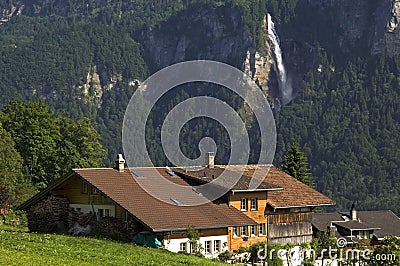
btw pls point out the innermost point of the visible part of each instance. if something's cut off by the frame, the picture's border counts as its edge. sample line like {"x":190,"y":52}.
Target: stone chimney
{"x":353,"y":213}
{"x":210,"y":159}
{"x":120,"y":163}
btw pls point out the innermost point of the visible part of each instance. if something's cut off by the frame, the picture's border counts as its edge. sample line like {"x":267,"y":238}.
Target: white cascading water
{"x":285,"y":86}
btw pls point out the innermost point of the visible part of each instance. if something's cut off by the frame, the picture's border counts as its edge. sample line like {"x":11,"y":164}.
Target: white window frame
{"x":183,"y":246}
{"x":107,"y":213}
{"x":253,"y":230}
{"x":243,"y":204}
{"x":253,"y":204}
{"x":236,"y":231}
{"x":207,"y":246}
{"x":217,"y":246}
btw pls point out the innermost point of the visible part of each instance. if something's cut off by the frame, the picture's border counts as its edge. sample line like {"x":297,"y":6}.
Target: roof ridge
{"x":93,"y":168}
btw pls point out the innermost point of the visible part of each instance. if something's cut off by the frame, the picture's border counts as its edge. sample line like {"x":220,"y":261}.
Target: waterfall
{"x":285,"y":85}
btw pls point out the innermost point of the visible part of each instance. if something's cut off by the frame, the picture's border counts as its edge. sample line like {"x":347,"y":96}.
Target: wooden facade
{"x":289,"y":217}
{"x":281,"y":225}
{"x":254,"y":211}
{"x":79,"y":192}
{"x":84,"y":205}
{"x":290,"y":225}
{"x":257,"y":213}
{"x":73,"y":189}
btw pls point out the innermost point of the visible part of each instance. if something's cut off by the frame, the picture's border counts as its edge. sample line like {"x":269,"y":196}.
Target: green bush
{"x":224,"y":256}
{"x":14,"y":218}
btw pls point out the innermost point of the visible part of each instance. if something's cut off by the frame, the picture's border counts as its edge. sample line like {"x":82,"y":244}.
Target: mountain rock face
{"x":361,"y":22}
{"x":206,"y":34}
{"x":213,"y":34}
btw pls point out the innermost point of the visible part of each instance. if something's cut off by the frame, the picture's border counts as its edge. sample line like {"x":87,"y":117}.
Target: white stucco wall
{"x":174,"y":244}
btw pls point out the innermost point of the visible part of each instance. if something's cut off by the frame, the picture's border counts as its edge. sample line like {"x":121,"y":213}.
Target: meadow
{"x":18,"y":247}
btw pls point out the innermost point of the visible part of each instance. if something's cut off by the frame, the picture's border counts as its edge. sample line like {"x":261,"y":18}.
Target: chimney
{"x":120,"y":163}
{"x":353,"y":213}
{"x":210,"y":159}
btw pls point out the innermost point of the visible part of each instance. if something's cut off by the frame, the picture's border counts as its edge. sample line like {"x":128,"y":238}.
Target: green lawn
{"x":18,"y":247}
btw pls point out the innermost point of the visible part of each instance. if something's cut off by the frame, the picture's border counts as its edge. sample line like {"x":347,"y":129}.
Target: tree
{"x":194,"y":240}
{"x":14,"y":188}
{"x":34,"y":129}
{"x":387,"y":253}
{"x":80,"y":144}
{"x":50,"y":145}
{"x":296,"y":165}
{"x":324,"y":241}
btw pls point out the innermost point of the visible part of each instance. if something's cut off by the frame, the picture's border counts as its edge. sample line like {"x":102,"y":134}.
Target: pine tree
{"x":296,"y":165}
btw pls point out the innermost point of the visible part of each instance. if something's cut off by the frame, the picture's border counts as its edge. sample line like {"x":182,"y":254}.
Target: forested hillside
{"x":348,"y":125}
{"x":86,"y":58}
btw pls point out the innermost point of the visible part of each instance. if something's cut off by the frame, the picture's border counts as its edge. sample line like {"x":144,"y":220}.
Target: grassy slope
{"x":17,"y":247}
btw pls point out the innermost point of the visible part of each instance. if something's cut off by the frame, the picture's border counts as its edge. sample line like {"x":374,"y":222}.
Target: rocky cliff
{"x":207,"y":33}
{"x":360,"y":22}
{"x":201,"y":33}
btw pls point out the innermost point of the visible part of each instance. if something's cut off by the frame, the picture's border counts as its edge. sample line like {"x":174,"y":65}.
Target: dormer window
{"x":243,"y":204}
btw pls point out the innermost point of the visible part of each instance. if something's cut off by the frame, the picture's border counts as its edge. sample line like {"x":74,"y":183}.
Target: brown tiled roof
{"x":294,"y":193}
{"x":158,"y":215}
{"x":205,"y":175}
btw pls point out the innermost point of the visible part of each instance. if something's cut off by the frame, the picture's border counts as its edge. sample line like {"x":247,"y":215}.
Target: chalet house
{"x":370,"y":226}
{"x":278,"y":210}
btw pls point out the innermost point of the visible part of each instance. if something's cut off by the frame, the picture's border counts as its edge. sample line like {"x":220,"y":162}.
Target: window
{"x":244,"y":230}
{"x":125,"y":216}
{"x":107,"y":212}
{"x":261,"y":229}
{"x":84,"y":187}
{"x":217,"y":246}
{"x":94,"y":190}
{"x":207,"y":247}
{"x":236,"y":231}
{"x":183,"y":247}
{"x":243,"y":204}
{"x":253,"y":230}
{"x":253,"y":204}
